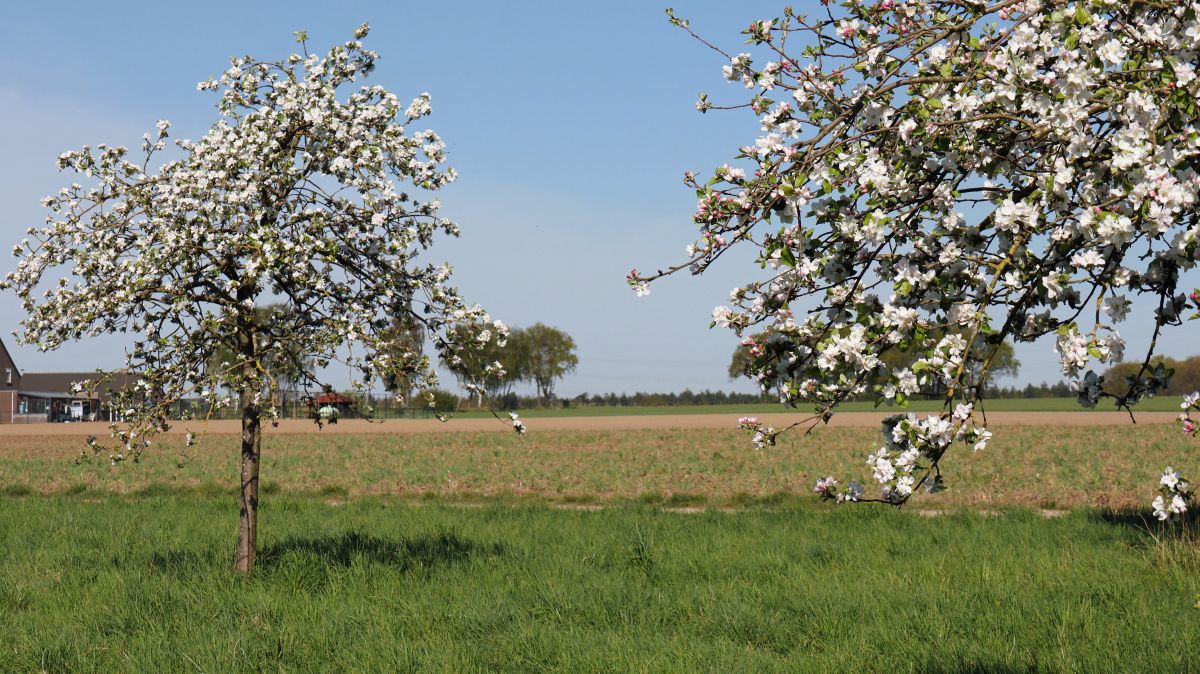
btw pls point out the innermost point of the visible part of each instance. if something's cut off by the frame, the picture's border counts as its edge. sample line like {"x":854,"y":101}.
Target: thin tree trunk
{"x":247,"y":547}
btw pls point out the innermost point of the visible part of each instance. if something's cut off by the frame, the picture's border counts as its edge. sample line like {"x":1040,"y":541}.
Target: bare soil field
{"x":592,"y":423}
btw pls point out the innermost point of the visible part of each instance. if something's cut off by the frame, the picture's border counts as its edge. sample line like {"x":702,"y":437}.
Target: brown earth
{"x":597,"y":423}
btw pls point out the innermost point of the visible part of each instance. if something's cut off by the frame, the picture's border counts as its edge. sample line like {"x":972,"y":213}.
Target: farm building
{"x":331,"y":400}
{"x":33,"y":397}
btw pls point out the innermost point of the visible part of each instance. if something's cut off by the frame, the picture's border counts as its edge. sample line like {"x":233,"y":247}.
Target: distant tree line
{"x":1059,"y":389}
{"x":706,"y":397}
{"x":684,"y":397}
{"x":1184,"y":379}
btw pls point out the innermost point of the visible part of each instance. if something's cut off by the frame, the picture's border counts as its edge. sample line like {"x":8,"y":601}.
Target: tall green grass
{"x":114,"y":584}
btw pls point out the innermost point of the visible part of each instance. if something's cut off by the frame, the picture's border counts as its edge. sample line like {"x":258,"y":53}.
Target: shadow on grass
{"x":1142,"y":520}
{"x":428,"y":551}
{"x":422,"y":553}
{"x":177,"y":562}
{"x":1171,"y":544}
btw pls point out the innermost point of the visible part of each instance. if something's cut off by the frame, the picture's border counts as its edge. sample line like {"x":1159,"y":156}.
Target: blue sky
{"x":570,"y":125}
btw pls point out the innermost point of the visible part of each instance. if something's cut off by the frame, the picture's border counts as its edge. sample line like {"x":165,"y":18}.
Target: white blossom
{"x":990,"y":194}
{"x":309,"y":194}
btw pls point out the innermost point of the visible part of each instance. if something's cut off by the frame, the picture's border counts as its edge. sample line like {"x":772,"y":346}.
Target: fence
{"x":385,"y":407}
{"x":17,"y":418}
{"x":50,"y":415}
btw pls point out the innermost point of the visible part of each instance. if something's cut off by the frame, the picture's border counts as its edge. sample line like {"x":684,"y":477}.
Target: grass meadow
{"x":593,"y":551}
{"x":119,"y":584}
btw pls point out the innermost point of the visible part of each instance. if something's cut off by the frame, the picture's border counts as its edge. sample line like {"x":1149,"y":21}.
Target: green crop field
{"x":143,"y":584}
{"x":650,"y":550}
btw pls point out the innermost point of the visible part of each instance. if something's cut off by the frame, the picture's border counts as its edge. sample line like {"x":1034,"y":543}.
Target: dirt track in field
{"x":598,"y":423}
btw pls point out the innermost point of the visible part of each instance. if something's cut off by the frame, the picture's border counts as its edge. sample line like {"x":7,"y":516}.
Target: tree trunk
{"x":247,"y":547}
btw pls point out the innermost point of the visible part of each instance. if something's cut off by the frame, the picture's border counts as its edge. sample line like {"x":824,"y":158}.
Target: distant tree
{"x":1187,"y":376}
{"x":291,"y":197}
{"x":1179,"y":377}
{"x":548,"y":354}
{"x":407,"y":335}
{"x":741,"y":360}
{"x":492,"y":368}
{"x":283,"y":362}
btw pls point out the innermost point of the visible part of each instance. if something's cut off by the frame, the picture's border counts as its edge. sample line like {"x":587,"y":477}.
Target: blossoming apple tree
{"x":308,"y":192}
{"x":936,"y":176}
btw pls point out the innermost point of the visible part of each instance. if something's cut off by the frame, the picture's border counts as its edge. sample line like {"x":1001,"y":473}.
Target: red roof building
{"x":332,"y":398}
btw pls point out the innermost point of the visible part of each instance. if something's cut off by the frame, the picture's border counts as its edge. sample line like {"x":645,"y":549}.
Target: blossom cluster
{"x":932,"y":178}
{"x":1191,"y":403}
{"x":310,"y":192}
{"x":761,"y":434}
{"x":827,"y":487}
{"x":517,"y":424}
{"x":912,"y":445}
{"x":1174,"y":495}
{"x":640,"y":287}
